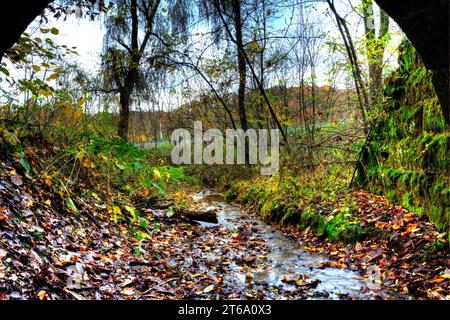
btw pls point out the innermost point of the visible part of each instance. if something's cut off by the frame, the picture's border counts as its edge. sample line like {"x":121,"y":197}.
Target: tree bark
{"x":255,"y":76}
{"x":130,"y":80}
{"x":124,"y":113}
{"x":126,"y":90}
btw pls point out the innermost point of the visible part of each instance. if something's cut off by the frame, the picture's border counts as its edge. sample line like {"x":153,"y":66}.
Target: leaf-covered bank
{"x":59,"y":243}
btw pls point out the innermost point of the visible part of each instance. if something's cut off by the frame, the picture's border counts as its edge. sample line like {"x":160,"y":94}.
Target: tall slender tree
{"x":213,"y":9}
{"x":241,"y":63}
{"x":375,"y":47}
{"x":129,"y":31}
{"x":361,"y":90}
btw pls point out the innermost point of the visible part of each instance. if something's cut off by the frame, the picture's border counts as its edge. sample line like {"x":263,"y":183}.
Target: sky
{"x":84,"y":34}
{"x":87,"y":37}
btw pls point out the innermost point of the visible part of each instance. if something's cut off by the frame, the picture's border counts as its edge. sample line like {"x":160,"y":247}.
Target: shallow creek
{"x":286,"y":260}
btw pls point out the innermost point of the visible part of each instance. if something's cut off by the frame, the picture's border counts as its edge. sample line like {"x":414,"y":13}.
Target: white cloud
{"x":84,"y":34}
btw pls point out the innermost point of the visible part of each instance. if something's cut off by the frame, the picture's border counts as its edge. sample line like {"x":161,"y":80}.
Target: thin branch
{"x":256,"y":78}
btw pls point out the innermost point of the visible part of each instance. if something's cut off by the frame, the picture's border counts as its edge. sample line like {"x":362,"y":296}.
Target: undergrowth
{"x":106,"y":174}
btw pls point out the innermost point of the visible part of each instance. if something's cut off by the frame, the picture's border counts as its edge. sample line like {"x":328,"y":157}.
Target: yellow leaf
{"x":44,"y":92}
{"x":77,"y":115}
{"x":156,"y":173}
{"x":64,"y":104}
{"x":81,"y":101}
{"x":395,"y":227}
{"x":48,"y":180}
{"x":116,"y":210}
{"x":41,"y":294}
{"x":53,"y":76}
{"x":87,"y":163}
{"x":132,"y":211}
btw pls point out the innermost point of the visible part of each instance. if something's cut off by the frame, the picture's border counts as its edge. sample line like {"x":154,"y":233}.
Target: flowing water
{"x":287,"y":259}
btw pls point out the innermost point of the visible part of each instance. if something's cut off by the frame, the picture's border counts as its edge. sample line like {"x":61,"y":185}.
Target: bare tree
{"x":360,"y":86}
{"x":375,"y":47}
{"x":232,"y":8}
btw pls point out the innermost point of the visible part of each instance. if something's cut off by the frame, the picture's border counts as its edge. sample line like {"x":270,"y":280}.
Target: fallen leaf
{"x":3,"y":216}
{"x":208,"y":289}
{"x":41,"y":294}
{"x":128,"y":291}
{"x":16,"y":180}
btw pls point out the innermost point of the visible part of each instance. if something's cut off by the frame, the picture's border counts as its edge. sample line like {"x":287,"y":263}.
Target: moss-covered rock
{"x":407,"y":156}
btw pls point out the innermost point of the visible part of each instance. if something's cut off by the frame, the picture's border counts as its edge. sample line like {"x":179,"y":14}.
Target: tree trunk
{"x":241,"y":64}
{"x":124,"y":115}
{"x":375,"y":47}
{"x":361,"y":91}
{"x":130,"y":81}
{"x":125,"y":100}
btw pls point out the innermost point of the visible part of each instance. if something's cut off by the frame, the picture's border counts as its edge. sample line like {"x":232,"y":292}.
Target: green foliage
{"x":342,"y":228}
{"x":287,"y":200}
{"x":46,"y":107}
{"x":407,"y":158}
{"x":123,"y":167}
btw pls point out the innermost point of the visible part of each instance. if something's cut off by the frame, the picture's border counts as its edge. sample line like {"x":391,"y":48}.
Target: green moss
{"x":290,"y":216}
{"x":342,"y":228}
{"x":287,"y":201}
{"x":407,"y":201}
{"x":408,"y":158}
{"x":311,"y":218}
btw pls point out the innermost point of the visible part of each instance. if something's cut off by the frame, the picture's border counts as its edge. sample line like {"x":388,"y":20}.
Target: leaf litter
{"x":49,"y":250}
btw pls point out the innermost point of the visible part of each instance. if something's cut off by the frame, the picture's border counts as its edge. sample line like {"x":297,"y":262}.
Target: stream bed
{"x":289,"y":271}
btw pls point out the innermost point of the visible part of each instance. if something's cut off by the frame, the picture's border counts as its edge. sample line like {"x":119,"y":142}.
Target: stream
{"x":286,"y":262}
